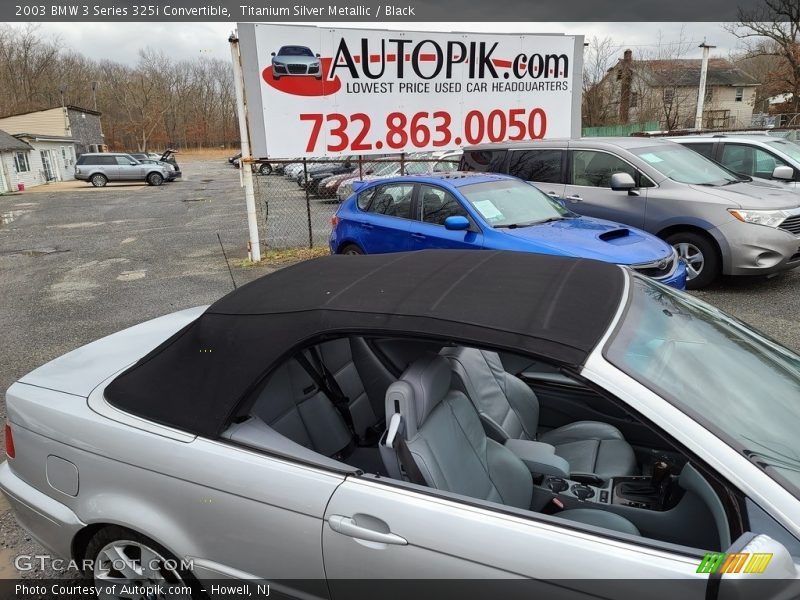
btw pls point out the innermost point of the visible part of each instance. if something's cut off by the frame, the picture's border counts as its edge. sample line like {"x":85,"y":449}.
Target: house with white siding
{"x":15,"y":158}
{"x":56,"y":137}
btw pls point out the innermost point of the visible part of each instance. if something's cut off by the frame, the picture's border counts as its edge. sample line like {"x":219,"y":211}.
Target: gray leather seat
{"x":293,"y":406}
{"x":449,"y":446}
{"x":509,"y":409}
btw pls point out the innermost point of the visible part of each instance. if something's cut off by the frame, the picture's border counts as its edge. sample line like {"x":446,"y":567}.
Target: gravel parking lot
{"x":81,"y":263}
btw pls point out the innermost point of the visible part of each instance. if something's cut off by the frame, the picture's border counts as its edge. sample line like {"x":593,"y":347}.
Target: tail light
{"x":10,"y":452}
{"x":334,"y":220}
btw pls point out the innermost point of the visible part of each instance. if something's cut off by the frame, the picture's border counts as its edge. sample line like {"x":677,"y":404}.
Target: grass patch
{"x":289,"y":255}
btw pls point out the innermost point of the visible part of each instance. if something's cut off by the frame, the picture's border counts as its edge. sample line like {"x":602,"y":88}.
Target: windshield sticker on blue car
{"x":488,"y":210}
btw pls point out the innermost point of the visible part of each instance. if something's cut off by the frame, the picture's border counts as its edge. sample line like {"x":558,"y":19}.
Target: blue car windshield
{"x":512,"y":203}
{"x":734,"y":381}
{"x":295,"y":51}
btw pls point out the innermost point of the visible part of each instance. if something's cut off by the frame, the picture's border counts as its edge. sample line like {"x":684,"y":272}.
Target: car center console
{"x":655,"y":492}
{"x":556,"y":485}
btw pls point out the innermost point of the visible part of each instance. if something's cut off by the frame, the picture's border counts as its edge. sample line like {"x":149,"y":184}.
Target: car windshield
{"x":731,"y":379}
{"x":683,"y":165}
{"x":510,"y":203}
{"x":295,"y":51}
{"x":790,"y":149}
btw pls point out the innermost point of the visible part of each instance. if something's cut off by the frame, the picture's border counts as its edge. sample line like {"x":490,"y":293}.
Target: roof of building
{"x":686,"y":72}
{"x":9,"y":143}
{"x":43,"y":137}
{"x":552,"y":306}
{"x":68,"y":106}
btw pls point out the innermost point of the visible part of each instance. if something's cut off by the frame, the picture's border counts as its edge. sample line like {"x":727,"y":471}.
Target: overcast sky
{"x":121,"y":41}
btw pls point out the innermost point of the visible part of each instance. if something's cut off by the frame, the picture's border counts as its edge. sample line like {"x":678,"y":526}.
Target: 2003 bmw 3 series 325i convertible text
{"x":390,"y":416}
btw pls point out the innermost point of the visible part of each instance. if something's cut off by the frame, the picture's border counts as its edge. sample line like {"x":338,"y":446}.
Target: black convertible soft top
{"x":553,"y":307}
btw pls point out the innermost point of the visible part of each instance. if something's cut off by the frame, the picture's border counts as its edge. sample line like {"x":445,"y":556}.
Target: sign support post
{"x":245,"y":160}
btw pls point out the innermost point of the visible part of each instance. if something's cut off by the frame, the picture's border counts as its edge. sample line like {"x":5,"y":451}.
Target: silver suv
{"x":100,"y":168}
{"x":717,"y":222}
{"x":752,"y":155}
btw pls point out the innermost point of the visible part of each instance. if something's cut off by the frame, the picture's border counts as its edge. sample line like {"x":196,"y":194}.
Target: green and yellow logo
{"x":738,"y":562}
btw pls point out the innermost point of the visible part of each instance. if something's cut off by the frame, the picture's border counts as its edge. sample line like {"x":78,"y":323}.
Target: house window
{"x":709,"y":95}
{"x":739,"y":94}
{"x":669,"y":96}
{"x":21,"y":164}
{"x":634,"y":99}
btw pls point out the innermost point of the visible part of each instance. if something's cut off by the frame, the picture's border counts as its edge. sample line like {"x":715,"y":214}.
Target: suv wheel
{"x":99,"y":180}
{"x":155,"y":179}
{"x":700,"y":256}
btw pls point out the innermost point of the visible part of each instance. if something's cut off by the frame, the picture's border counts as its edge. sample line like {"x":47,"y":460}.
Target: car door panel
{"x":434,"y":205}
{"x":588,"y":190}
{"x":447,"y":539}
{"x":387,"y":225}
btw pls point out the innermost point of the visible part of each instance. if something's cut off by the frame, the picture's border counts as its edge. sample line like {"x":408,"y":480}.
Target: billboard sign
{"x":316,"y":91}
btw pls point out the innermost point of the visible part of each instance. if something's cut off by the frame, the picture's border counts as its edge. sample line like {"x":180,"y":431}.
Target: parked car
{"x":434,"y":162}
{"x":718,"y":223}
{"x":168,"y":156}
{"x":173,"y":441}
{"x":313,"y":174}
{"x":145,"y":158}
{"x":486,"y":211}
{"x":233,"y":160}
{"x":101,"y":167}
{"x":295,"y":61}
{"x":760,"y":156}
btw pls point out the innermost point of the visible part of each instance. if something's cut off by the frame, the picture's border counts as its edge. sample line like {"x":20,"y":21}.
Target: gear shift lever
{"x":661,"y":472}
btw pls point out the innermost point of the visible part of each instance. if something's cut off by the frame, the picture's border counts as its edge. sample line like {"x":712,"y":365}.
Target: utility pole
{"x":701,"y":91}
{"x":94,"y":94}
{"x":245,"y":172}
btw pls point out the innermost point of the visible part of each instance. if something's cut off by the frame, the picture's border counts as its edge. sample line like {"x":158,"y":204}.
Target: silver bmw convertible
{"x":439,"y":415}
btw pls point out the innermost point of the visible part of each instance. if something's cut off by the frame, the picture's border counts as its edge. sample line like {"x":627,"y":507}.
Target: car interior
{"x":491,"y":426}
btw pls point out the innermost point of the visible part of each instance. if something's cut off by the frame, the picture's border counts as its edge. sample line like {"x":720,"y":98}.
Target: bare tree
{"x":772,"y":30}
{"x":597,"y":58}
{"x":156,"y":102}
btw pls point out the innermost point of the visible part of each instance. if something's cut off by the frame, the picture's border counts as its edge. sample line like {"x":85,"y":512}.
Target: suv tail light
{"x":10,"y":452}
{"x":334,"y":220}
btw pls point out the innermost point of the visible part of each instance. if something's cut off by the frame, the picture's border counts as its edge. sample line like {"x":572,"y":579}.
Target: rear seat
{"x":293,"y":405}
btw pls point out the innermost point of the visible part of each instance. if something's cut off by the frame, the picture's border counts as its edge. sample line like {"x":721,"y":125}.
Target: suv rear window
{"x":537,"y":165}
{"x":96,"y":160}
{"x":484,"y":161}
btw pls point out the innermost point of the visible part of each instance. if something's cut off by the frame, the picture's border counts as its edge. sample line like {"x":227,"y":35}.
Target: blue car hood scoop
{"x":615,"y":234}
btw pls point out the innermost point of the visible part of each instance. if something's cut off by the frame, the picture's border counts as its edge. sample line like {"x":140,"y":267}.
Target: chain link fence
{"x":296,"y":199}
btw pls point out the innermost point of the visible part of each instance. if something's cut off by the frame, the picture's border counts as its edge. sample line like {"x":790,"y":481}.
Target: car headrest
{"x":420,"y":389}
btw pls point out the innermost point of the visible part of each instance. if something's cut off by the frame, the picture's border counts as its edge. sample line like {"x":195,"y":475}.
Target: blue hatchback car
{"x":489,"y":211}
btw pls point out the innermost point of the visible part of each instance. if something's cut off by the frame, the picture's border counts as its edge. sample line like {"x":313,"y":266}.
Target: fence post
{"x":402,"y":163}
{"x":360,"y":167}
{"x":308,"y":205}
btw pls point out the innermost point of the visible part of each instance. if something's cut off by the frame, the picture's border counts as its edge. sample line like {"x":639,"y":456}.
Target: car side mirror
{"x":622,"y":182}
{"x":783,"y":172}
{"x":273,"y":54}
{"x":456,"y":223}
{"x":317,"y":55}
{"x":133,"y":163}
{"x":754,"y":555}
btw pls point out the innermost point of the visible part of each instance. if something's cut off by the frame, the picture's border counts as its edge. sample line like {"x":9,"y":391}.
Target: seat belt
{"x":396,"y":440}
{"x":407,"y":461}
{"x":339,"y":400}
